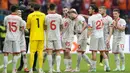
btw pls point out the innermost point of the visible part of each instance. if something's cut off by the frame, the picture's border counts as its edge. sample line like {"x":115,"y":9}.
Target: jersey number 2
{"x":12,"y":26}
{"x":52,"y":25}
{"x":99,"y":24}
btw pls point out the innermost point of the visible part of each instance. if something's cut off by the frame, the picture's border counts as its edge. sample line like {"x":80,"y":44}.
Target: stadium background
{"x":82,"y":8}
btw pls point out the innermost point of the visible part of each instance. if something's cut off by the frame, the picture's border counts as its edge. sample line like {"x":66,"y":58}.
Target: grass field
{"x":83,"y":65}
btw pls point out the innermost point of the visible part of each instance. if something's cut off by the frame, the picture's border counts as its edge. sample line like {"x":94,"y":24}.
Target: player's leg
{"x":6,"y":49}
{"x":83,"y":49}
{"x":66,"y":45}
{"x":115,"y":52}
{"x":33,"y":47}
{"x":14,"y":61}
{"x":44,"y":57}
{"x":5,"y":62}
{"x":21,"y":64}
{"x":70,"y":41}
{"x":105,"y":60}
{"x":25,"y":61}
{"x":35,"y":61}
{"x":16,"y":51}
{"x":67,"y":60}
{"x":50,"y":47}
{"x":101,"y":59}
{"x":117,"y":61}
{"x":40,"y":54}
{"x":102,"y":50}
{"x":23,"y":53}
{"x":53,"y":59}
{"x":93,"y":48}
{"x":57,"y":44}
{"x":122,"y":56}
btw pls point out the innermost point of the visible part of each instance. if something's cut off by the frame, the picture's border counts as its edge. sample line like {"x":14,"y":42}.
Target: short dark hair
{"x":14,"y":8}
{"x":94,"y":7}
{"x":116,"y":10}
{"x":36,"y":6}
{"x":52,"y":6}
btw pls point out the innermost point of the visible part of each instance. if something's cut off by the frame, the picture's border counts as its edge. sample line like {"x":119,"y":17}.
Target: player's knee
{"x":23,"y":53}
{"x":5,"y":54}
{"x":49,"y":52}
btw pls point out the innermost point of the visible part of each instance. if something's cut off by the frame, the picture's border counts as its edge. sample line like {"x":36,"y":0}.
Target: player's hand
{"x":79,"y":32}
{"x":114,"y":23}
{"x":108,"y":40}
{"x":26,"y":30}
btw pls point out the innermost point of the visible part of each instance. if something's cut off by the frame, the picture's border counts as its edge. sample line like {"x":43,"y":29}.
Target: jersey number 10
{"x":12,"y":26}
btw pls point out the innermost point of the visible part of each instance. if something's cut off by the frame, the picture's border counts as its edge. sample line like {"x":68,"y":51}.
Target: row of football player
{"x":72,"y":22}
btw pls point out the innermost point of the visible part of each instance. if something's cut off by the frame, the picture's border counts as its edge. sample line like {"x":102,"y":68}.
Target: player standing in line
{"x":53,"y":22}
{"x":119,"y":25}
{"x":13,"y":24}
{"x":36,"y":24}
{"x":95,"y":30}
{"x":81,"y":33}
{"x":107,"y":21}
{"x":23,"y":44}
{"x":67,"y":38}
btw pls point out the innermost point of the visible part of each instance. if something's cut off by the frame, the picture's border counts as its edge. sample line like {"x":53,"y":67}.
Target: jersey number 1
{"x":12,"y":26}
{"x":38,"y":22}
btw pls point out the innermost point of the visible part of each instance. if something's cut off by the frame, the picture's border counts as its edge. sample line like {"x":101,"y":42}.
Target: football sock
{"x":5,"y":62}
{"x":50,"y":61}
{"x":117,"y":60}
{"x":53,"y":58}
{"x":122,"y":57}
{"x":40,"y":59}
{"x":106,"y":62}
{"x":70,"y":63}
{"x":15,"y":59}
{"x":101,"y":58}
{"x":78,"y":60}
{"x":66,"y":62}
{"x":25,"y":61}
{"x":31,"y":59}
{"x":93,"y":64}
{"x":58,"y":60}
{"x":86,"y":58}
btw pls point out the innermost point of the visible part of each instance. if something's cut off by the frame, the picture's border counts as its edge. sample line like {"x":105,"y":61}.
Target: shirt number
{"x":12,"y":26}
{"x":37,"y":21}
{"x":52,"y":25}
{"x":99,"y":24}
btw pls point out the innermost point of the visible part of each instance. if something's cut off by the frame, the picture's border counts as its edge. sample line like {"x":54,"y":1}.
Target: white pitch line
{"x":8,"y":62}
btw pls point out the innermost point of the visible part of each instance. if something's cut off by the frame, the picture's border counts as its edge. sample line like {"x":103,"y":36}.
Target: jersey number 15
{"x":12,"y":26}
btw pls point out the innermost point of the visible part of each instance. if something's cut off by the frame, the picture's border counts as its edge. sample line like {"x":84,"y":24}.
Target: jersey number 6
{"x":52,"y":25}
{"x":12,"y":26}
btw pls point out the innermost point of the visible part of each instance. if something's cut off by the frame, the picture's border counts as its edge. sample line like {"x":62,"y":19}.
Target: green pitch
{"x":83,"y":66}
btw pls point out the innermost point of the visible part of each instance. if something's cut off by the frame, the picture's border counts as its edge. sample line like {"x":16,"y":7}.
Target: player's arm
{"x":45,"y":23}
{"x":28,"y":25}
{"x":23,"y":25}
{"x":61,"y":25}
{"x":84,"y":26}
{"x":89,"y":27}
{"x":86,"y":16}
{"x":110,"y":30}
{"x":122,"y":25}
